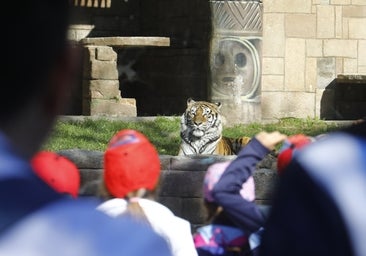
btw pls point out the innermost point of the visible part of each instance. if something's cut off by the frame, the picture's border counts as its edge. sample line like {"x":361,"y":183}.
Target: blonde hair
{"x":133,"y":209}
{"x":212,"y":210}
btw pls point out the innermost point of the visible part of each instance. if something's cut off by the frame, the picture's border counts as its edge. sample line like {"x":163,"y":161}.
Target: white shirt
{"x":175,"y":230}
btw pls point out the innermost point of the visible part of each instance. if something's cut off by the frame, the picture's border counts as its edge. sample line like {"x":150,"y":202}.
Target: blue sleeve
{"x":226,"y":192}
{"x":74,"y":227}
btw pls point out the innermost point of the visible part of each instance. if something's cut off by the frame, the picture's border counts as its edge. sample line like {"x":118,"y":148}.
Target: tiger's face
{"x":201,"y":131}
{"x":200,"y":116}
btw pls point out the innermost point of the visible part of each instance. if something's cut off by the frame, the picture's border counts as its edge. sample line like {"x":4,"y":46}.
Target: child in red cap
{"x":131,"y":175}
{"x":57,"y":171}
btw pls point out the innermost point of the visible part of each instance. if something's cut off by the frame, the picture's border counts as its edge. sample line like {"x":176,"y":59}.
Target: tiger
{"x":201,"y":131}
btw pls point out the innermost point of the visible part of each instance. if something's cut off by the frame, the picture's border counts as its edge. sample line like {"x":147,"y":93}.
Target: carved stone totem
{"x":235,"y":59}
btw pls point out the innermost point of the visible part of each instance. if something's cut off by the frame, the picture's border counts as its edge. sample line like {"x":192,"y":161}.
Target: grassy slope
{"x":164,"y":132}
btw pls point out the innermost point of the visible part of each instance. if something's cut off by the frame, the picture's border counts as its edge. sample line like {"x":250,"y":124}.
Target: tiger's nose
{"x":197,"y":123}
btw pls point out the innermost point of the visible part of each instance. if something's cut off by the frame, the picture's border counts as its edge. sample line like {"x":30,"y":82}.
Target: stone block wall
{"x":101,"y":94}
{"x":181,"y":181}
{"x":307,"y":44}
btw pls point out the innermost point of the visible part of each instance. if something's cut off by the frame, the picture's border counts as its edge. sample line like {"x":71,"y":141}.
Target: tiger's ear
{"x":190,"y":101}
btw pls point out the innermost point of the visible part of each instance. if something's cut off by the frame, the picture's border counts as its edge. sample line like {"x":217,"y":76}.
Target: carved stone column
{"x":235,"y":59}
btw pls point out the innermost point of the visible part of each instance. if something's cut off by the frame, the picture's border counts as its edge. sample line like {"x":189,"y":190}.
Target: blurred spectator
{"x":131,"y":175}
{"x":58,"y":172}
{"x":320,"y":205}
{"x":235,"y":220}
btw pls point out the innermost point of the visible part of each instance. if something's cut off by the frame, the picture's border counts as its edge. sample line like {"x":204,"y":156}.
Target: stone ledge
{"x":136,"y":41}
{"x":80,"y":118}
{"x":112,"y":107}
{"x":351,"y":79}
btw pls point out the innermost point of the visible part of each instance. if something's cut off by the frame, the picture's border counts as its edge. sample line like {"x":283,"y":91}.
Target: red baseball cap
{"x":57,"y":171}
{"x":131,"y":162}
{"x":290,"y":146}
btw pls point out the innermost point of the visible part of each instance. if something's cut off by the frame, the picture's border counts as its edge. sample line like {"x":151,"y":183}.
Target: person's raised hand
{"x":270,"y":139}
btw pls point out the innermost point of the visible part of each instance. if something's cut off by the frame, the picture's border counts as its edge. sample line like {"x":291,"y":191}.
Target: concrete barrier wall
{"x":180,"y":186}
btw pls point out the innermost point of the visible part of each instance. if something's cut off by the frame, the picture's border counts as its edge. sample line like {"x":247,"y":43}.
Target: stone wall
{"x":181,"y":180}
{"x":100,"y":87}
{"x":307,"y":44}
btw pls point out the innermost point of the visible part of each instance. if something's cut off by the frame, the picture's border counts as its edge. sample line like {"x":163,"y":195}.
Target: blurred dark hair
{"x":34,"y":35}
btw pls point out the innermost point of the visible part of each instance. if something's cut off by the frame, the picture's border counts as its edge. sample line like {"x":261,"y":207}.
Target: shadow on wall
{"x":160,"y":79}
{"x":344,"y":99}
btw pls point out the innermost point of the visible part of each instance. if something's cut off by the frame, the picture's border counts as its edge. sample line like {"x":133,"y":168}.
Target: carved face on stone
{"x":235,"y":68}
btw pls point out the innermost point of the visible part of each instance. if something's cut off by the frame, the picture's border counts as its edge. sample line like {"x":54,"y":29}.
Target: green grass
{"x":95,"y":134}
{"x":164,"y":132}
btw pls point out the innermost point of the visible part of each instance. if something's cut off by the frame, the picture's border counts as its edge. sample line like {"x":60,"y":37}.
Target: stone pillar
{"x":101,"y":94}
{"x":235,"y":59}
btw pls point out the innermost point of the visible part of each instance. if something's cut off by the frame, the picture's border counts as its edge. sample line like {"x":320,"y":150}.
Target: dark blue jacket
{"x":245,"y":214}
